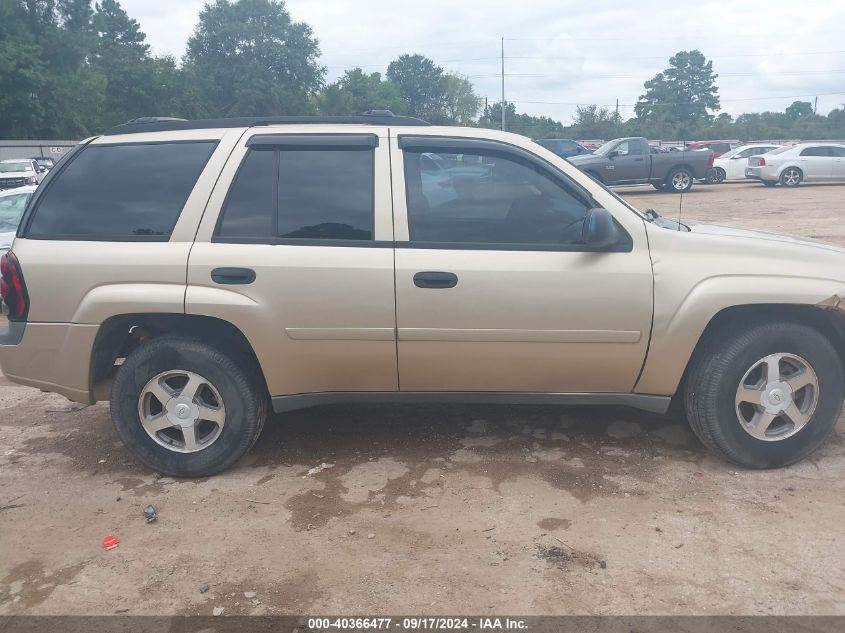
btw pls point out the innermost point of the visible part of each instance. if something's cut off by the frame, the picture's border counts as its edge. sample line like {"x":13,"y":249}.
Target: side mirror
{"x":599,"y":229}
{"x":613,"y":154}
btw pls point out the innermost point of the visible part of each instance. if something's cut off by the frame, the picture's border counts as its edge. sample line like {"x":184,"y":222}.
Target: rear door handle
{"x":433,"y":279}
{"x":233,"y":276}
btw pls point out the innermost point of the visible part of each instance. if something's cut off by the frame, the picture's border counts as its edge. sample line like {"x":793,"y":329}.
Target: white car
{"x":20,"y":172}
{"x":12,"y":205}
{"x":804,"y":162}
{"x":731,"y":165}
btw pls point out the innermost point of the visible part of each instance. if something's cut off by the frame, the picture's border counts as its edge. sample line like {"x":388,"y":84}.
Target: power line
{"x":631,"y":105}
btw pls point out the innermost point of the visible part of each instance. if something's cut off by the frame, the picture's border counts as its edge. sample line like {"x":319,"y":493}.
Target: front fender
{"x":678,"y":328}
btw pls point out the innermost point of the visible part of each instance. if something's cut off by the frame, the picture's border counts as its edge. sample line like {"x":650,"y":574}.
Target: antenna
{"x":681,"y":201}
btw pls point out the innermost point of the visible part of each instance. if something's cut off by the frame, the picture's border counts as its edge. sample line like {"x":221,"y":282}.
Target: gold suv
{"x":198,"y":273}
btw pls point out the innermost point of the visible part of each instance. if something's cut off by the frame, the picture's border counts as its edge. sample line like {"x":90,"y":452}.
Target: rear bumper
{"x":766,"y":172}
{"x":50,"y":356}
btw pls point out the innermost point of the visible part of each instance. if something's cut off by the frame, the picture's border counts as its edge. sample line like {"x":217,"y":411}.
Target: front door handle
{"x":432,"y":279}
{"x":233,"y":276}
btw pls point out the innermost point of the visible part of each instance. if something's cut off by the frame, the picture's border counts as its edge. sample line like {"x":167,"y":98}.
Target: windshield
{"x":604,"y":149}
{"x":731,"y":153}
{"x":11,"y":211}
{"x":6,"y":168}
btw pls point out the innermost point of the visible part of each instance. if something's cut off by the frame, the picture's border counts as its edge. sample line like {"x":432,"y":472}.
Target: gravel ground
{"x":432,"y":509}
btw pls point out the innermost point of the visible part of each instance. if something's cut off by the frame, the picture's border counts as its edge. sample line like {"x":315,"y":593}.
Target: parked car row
{"x":632,"y":161}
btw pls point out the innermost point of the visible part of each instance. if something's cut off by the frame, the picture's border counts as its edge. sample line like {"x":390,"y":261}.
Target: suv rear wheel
{"x":765,"y":397}
{"x":186,"y":409}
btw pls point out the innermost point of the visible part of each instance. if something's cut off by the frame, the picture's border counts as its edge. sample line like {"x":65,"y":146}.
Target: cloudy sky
{"x":560,"y":53}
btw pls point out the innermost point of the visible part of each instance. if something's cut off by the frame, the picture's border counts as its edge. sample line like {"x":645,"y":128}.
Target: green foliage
{"x":421,"y":84}
{"x":356,"y":92}
{"x":593,"y":122}
{"x":251,"y":59}
{"x":682,"y":96}
{"x":73,"y":68}
{"x":461,"y":104}
{"x":525,"y":124}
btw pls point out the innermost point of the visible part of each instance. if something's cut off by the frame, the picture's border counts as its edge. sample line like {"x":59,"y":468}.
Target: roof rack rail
{"x":167,"y":124}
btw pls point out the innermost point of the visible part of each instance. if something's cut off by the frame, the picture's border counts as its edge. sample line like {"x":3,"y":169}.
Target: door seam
{"x":393,"y":227}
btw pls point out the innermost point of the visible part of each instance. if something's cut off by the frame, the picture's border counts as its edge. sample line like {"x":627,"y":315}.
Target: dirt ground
{"x":432,"y":509}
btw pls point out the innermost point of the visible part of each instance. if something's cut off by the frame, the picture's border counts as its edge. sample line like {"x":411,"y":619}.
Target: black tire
{"x":672,"y":186}
{"x":720,"y":365}
{"x":791,"y":177}
{"x":715,"y":176}
{"x":239,"y":385}
{"x":770,"y":183}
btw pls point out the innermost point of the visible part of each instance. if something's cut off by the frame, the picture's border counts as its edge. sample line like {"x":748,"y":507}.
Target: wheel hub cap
{"x":777,"y":397}
{"x":181,"y":411}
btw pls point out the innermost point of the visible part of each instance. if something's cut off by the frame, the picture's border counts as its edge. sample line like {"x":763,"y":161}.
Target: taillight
{"x":12,"y":288}
{"x":762,"y":162}
{"x":712,"y":158}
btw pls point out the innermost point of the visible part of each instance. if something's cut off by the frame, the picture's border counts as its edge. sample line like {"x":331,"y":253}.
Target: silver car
{"x":804,"y":162}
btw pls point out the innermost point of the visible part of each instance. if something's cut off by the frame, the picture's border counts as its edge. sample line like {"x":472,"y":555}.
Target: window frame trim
{"x":420,"y":143}
{"x":276,"y":148}
{"x":67,"y":160}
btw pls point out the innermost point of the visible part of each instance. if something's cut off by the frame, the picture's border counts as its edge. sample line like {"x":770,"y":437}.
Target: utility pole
{"x":616,"y":119}
{"x":503,"y":84}
{"x":816,"y":105}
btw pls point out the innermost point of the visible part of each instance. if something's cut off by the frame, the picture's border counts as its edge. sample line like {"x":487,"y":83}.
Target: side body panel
{"x":319,"y":317}
{"x":531,"y":320}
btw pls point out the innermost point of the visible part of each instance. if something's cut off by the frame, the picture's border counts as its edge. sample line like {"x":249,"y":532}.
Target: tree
{"x":250,"y":59}
{"x":596,"y":123}
{"x":799,"y":109}
{"x":422,"y":86}
{"x":520,"y":123}
{"x":683,"y":95}
{"x":133,"y":85}
{"x":357,"y":92}
{"x":461,"y":103}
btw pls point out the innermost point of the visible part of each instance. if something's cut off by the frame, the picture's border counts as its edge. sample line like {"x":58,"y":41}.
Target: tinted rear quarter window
{"x":131,"y":192}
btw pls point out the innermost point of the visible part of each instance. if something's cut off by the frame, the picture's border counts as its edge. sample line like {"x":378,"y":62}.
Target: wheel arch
{"x":790,"y":166}
{"x":830,"y":322}
{"x":121,"y":334}
{"x":678,"y":166}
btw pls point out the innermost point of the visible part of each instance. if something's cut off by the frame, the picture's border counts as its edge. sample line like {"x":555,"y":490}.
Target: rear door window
{"x":288,"y":194}
{"x":821,"y":150}
{"x":131,"y":192}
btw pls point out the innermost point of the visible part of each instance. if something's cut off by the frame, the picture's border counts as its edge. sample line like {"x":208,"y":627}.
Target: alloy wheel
{"x":791,"y":177}
{"x":680,"y":181}
{"x":776,"y":397}
{"x":181,"y":411}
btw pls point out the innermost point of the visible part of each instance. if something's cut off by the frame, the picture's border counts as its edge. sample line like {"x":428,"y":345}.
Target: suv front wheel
{"x":186,"y":409}
{"x":766,"y":396}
